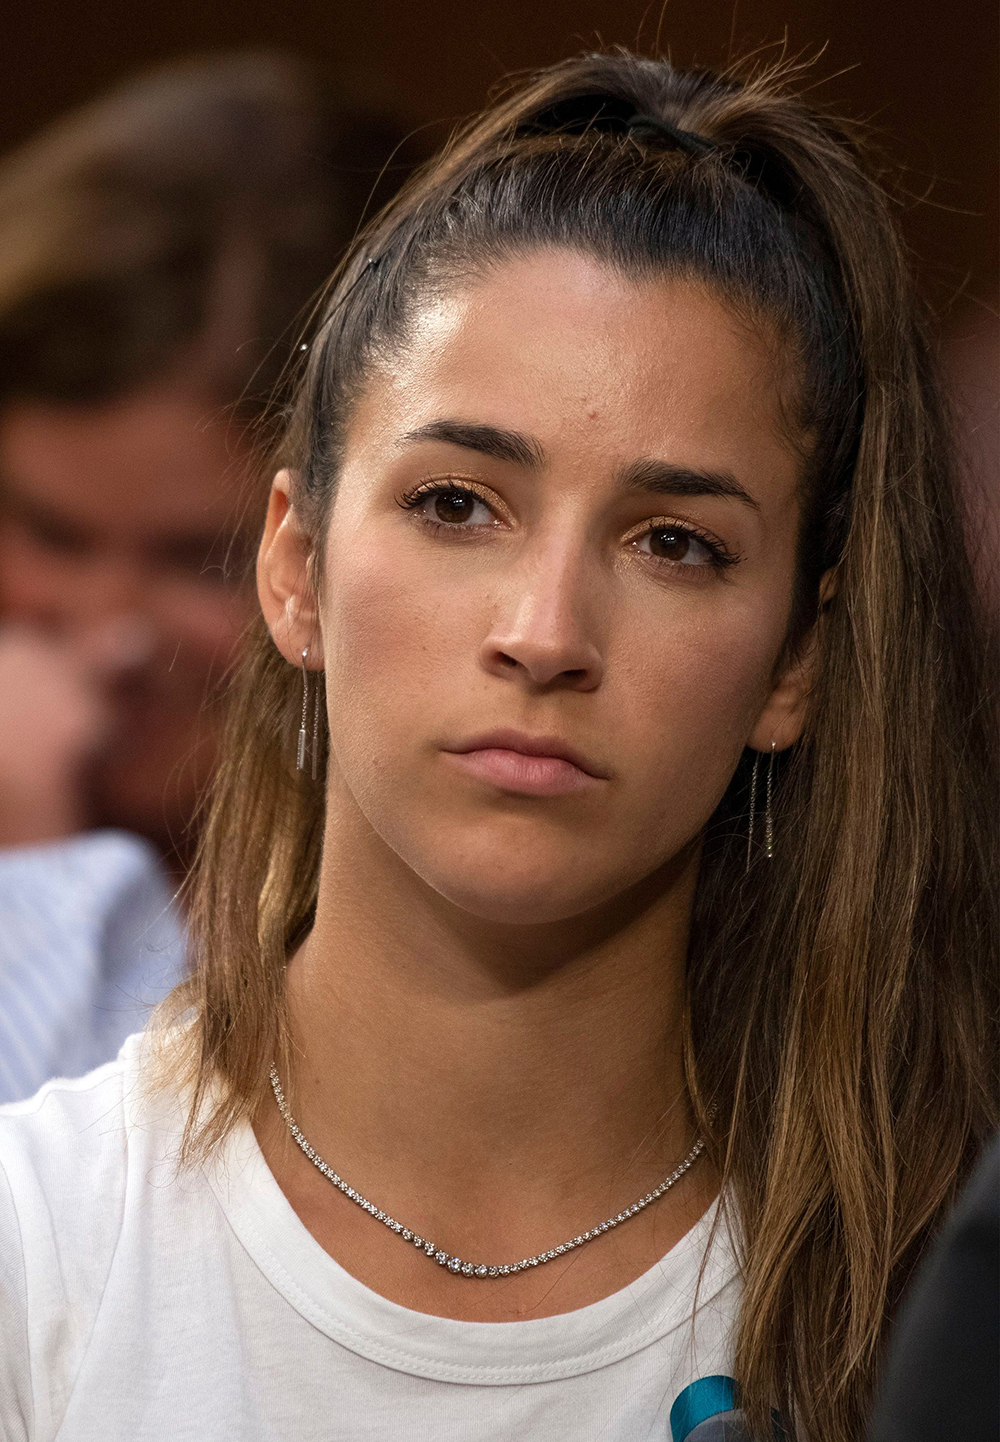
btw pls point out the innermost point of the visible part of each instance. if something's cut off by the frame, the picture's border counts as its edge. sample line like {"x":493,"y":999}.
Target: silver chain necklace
{"x":456,"y":1264}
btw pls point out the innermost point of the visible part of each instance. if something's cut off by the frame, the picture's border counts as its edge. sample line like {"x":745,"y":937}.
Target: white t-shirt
{"x":139,"y":1305}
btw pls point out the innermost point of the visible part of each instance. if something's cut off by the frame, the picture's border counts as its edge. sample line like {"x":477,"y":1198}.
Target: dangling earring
{"x":300,"y":754}
{"x":753,"y":804}
{"x":300,"y":751}
{"x":768,"y":818}
{"x":315,"y":735}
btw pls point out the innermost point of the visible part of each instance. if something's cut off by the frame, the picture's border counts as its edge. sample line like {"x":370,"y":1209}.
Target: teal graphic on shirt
{"x":708,"y":1411}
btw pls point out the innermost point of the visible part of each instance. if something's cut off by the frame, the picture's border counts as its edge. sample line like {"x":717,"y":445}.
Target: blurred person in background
{"x":942,"y":1375}
{"x":158,"y":250}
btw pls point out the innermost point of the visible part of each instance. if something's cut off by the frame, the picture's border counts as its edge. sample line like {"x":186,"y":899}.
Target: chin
{"x":509,"y":870}
{"x":520,"y":896}
{"x":514,"y":907}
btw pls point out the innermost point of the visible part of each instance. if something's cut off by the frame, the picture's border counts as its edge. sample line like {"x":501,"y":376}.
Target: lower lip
{"x":526,"y":775}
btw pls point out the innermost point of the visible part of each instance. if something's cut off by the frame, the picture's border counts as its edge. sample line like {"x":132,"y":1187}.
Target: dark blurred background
{"x":923,"y":74}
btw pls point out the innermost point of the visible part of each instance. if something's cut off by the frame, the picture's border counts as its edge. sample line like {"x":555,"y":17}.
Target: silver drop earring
{"x":768,"y":819}
{"x":753,"y":804}
{"x":315,"y":735}
{"x":300,"y":754}
{"x":300,"y":750}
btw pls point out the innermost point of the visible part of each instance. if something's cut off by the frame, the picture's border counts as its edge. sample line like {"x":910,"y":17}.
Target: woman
{"x":587,"y":1035}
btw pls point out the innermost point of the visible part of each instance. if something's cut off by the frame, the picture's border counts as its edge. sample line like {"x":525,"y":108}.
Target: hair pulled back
{"x":841,"y":998}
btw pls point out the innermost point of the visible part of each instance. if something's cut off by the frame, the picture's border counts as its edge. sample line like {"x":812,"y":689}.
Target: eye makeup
{"x":455,"y":501}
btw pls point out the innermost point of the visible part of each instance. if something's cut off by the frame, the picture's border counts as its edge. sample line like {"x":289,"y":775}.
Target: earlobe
{"x":784,"y":717}
{"x":286,"y":594}
{"x":828,"y":586}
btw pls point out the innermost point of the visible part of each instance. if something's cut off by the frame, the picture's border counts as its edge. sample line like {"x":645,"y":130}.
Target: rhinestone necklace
{"x":456,"y":1264}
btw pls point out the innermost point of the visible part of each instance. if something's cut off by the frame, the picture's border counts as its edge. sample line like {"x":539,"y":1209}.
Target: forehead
{"x":562,"y":347}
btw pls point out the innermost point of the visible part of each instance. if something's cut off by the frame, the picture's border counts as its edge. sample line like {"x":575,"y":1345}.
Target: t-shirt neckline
{"x":441,"y":1348}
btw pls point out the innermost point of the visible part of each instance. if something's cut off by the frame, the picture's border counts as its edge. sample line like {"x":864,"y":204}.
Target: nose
{"x":545,"y":629}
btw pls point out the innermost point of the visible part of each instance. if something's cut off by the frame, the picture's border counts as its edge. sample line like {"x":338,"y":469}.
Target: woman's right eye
{"x":451,"y":506}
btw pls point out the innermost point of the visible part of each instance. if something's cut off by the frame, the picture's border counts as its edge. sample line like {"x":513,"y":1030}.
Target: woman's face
{"x":567,"y":516}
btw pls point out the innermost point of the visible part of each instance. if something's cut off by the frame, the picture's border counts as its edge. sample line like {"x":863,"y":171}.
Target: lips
{"x":519,"y":741}
{"x":513,"y":761}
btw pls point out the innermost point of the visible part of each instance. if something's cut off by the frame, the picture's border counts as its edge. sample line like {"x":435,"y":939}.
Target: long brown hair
{"x":841,"y":998}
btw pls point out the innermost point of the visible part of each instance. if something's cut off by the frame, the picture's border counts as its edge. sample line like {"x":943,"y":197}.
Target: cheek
{"x":717,"y":672}
{"x":688,"y":698}
{"x":392,"y":636}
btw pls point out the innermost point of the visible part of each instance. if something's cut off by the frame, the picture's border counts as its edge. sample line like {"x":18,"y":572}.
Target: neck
{"x":537,"y":1066}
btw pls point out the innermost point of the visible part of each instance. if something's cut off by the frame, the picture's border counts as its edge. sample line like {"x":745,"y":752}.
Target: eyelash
{"x":416,"y":497}
{"x":720,"y":557}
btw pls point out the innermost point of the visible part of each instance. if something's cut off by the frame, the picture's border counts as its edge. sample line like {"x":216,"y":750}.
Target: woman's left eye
{"x":450,"y":506}
{"x":676,"y":544}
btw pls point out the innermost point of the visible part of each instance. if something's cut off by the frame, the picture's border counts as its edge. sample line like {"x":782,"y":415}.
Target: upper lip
{"x":508,"y":740}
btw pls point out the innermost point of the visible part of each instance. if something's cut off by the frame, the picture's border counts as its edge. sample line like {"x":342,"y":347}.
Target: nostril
{"x":540,"y":663}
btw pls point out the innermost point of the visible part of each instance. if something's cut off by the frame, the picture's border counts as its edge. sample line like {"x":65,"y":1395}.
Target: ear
{"x":286,"y":595}
{"x":784,"y":716}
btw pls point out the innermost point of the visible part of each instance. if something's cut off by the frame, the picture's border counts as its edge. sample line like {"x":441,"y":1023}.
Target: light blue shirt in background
{"x":90,"y":941}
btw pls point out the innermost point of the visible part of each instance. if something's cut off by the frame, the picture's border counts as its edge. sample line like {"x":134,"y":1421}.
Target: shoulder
{"x":66,"y":1159}
{"x":68,"y":1141}
{"x":68,"y":1152}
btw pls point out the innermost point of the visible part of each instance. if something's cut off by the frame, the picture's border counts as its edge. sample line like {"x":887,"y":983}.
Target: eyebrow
{"x":499,"y":445}
{"x":658,"y":478}
{"x":661,"y":478}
